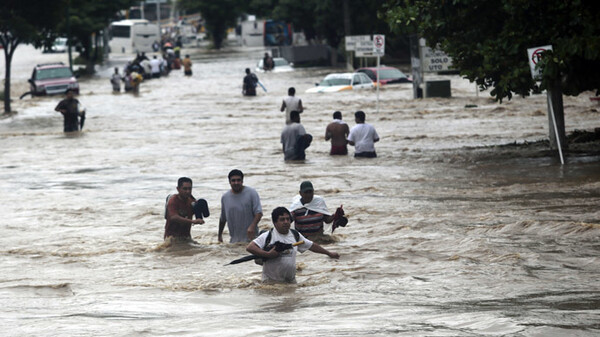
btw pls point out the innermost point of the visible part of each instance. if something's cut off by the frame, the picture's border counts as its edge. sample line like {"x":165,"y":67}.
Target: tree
{"x":488,"y":40}
{"x":218,"y":16}
{"x":87,"y":19}
{"x":24,"y":22}
{"x":328,"y":20}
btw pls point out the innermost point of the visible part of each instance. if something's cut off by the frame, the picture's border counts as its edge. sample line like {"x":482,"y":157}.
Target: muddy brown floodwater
{"x":449,"y":234}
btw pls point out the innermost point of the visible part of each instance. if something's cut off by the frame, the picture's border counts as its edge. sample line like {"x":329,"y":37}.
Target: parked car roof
{"x":387,"y":75}
{"x":341,"y":82}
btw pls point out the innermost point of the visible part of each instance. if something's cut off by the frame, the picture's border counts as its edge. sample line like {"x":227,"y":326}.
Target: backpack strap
{"x":296,"y":234}
{"x":268,"y":239}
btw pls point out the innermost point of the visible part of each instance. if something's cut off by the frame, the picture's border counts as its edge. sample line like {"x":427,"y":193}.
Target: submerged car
{"x":342,"y":82}
{"x":59,"y":45}
{"x":281,"y":65}
{"x":387,"y":75}
{"x":52,"y":79}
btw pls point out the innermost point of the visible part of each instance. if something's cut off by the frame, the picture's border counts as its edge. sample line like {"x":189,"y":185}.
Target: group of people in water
{"x":142,"y":68}
{"x":241,"y":211}
{"x":295,"y":140}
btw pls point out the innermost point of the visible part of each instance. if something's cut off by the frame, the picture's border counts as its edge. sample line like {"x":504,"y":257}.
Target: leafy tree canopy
{"x":24,"y":22}
{"x":87,"y":17}
{"x":488,"y":40}
{"x":324,"y":19}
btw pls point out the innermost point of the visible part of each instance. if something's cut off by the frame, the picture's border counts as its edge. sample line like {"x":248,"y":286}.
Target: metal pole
{"x":69,"y":36}
{"x":158,"y":18}
{"x":551,"y":110}
{"x":378,"y":60}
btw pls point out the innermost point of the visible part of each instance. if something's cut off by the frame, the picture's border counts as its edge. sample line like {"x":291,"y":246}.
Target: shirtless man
{"x":337,"y":131}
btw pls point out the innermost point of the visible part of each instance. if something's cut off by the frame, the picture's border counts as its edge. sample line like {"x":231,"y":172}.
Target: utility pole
{"x":69,"y":35}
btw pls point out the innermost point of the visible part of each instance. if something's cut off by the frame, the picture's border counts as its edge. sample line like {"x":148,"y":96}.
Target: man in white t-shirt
{"x":280,"y":266}
{"x":291,"y":103}
{"x":363,"y":137}
{"x":155,"y":64}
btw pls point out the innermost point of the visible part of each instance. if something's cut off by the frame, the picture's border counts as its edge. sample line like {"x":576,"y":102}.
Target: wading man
{"x":363,"y":137}
{"x":337,"y":131}
{"x":294,"y":139}
{"x":280,"y":266}
{"x":69,"y":108}
{"x":240,"y":209}
{"x":179,"y":212}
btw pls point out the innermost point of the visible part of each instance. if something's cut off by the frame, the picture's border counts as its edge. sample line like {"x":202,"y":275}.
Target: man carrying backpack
{"x":280,"y":265}
{"x":250,"y":83}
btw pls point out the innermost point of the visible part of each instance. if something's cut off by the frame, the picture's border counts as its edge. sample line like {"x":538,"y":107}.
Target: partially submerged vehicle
{"x":281,"y":65}
{"x":343,"y":82}
{"x":52,"y":79}
{"x":387,"y":75}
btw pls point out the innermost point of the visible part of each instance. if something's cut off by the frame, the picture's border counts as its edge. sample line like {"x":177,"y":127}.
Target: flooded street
{"x":449,"y":234}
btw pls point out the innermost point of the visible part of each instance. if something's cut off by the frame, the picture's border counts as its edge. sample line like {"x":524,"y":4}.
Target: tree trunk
{"x":9,"y":49}
{"x":555,"y":104}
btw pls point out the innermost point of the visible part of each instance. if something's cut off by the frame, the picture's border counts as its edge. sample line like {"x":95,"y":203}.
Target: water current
{"x":449,"y":234}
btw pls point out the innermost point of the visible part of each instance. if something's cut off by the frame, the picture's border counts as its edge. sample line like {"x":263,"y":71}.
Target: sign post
{"x":367,"y":46}
{"x":535,"y":55}
{"x":351,"y":42}
{"x":432,"y":60}
{"x":379,"y":50}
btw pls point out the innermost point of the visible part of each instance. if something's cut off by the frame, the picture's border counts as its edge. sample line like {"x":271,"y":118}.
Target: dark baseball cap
{"x":306,"y":186}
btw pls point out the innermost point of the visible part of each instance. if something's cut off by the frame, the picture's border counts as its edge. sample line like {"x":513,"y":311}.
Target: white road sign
{"x":434,"y":60}
{"x":353,"y":39}
{"x":534,"y":55}
{"x":364,"y":49}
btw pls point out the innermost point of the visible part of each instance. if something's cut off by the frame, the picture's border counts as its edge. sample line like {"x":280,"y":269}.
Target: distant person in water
{"x":291,"y":103}
{"x":71,"y":111}
{"x":268,"y":63}
{"x":337,"y":131}
{"x":294,"y":139}
{"x":187,"y":66}
{"x":115,"y":80}
{"x":249,"y":84}
{"x":363,"y":137}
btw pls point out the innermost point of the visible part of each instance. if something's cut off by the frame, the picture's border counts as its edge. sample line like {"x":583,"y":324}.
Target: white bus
{"x":132,"y":36}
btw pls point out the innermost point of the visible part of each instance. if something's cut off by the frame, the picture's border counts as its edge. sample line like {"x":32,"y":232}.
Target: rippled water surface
{"x":449,"y":235}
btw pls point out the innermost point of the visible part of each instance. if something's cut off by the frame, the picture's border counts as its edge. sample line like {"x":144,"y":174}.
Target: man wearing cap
{"x":309,"y":211}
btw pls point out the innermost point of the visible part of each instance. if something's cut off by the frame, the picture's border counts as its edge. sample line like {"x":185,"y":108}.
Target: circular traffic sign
{"x":537,"y":55}
{"x":378,"y":41}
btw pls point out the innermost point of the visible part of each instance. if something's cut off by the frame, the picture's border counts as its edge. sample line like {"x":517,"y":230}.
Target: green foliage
{"x":488,"y":40}
{"x":218,"y":15}
{"x":324,"y":19}
{"x":81,"y":60}
{"x":24,"y":22}
{"x":88,"y":17}
{"x":27,"y":21}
